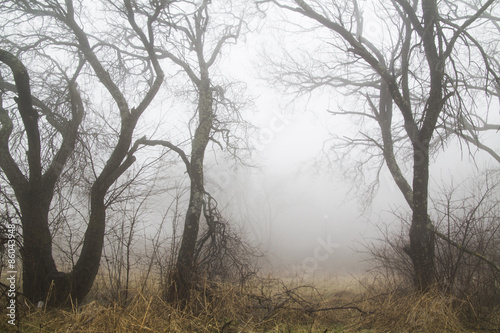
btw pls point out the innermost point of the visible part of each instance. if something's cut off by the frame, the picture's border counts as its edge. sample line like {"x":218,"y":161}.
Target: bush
{"x":469,"y":215}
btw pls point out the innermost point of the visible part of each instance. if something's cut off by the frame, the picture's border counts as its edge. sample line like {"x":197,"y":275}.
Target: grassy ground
{"x":266,"y":305}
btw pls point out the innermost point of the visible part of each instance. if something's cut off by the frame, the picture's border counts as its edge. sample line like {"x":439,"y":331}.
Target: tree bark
{"x":422,"y":238}
{"x":86,"y":268}
{"x":38,"y":263}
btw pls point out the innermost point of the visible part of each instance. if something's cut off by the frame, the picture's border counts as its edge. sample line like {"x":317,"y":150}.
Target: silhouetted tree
{"x":51,"y":40}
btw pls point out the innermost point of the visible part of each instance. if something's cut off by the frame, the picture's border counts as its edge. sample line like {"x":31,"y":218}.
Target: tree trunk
{"x":421,"y":237}
{"x":421,"y":249}
{"x":87,"y":266}
{"x":184,"y":273}
{"x":38,"y":263}
{"x":41,"y":279}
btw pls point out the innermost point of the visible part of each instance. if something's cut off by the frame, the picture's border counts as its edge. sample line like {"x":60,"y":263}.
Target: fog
{"x":250,"y":165}
{"x":298,"y":206}
{"x":304,"y":208}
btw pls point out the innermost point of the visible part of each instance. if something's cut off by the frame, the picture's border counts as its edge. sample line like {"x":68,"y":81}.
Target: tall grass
{"x":265,"y":305}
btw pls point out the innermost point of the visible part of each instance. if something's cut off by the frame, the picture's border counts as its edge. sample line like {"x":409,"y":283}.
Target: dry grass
{"x":430,"y":312}
{"x":265,"y":305}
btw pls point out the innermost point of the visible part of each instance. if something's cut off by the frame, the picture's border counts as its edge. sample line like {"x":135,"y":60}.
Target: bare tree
{"x":199,"y":33}
{"x":50,"y":36}
{"x":418,"y":66}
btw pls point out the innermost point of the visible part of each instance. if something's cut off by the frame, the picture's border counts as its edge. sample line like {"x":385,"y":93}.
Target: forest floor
{"x":265,"y":305}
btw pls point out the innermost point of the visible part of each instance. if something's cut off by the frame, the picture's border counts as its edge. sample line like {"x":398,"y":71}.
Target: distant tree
{"x":423,"y":62}
{"x":53,"y":53}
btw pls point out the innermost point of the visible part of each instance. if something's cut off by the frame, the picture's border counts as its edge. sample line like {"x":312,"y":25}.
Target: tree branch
{"x":171,"y":146}
{"x":28,"y":114}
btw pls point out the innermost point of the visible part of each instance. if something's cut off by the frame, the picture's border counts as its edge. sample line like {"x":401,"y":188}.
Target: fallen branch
{"x":340,"y":308}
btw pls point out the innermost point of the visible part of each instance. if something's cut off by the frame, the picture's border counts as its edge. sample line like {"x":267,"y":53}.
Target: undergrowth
{"x":266,"y":305}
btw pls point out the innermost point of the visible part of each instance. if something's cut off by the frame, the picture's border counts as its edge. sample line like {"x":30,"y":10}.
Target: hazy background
{"x":291,"y":199}
{"x":296,"y":199}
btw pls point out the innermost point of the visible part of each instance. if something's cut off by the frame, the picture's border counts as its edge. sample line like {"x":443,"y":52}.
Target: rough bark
{"x":422,"y":239}
{"x":38,"y":263}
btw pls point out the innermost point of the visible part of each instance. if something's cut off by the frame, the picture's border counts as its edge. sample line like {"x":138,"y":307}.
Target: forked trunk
{"x":41,"y":279}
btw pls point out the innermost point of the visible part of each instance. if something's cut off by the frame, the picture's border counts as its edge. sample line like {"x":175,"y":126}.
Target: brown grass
{"x":265,"y":305}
